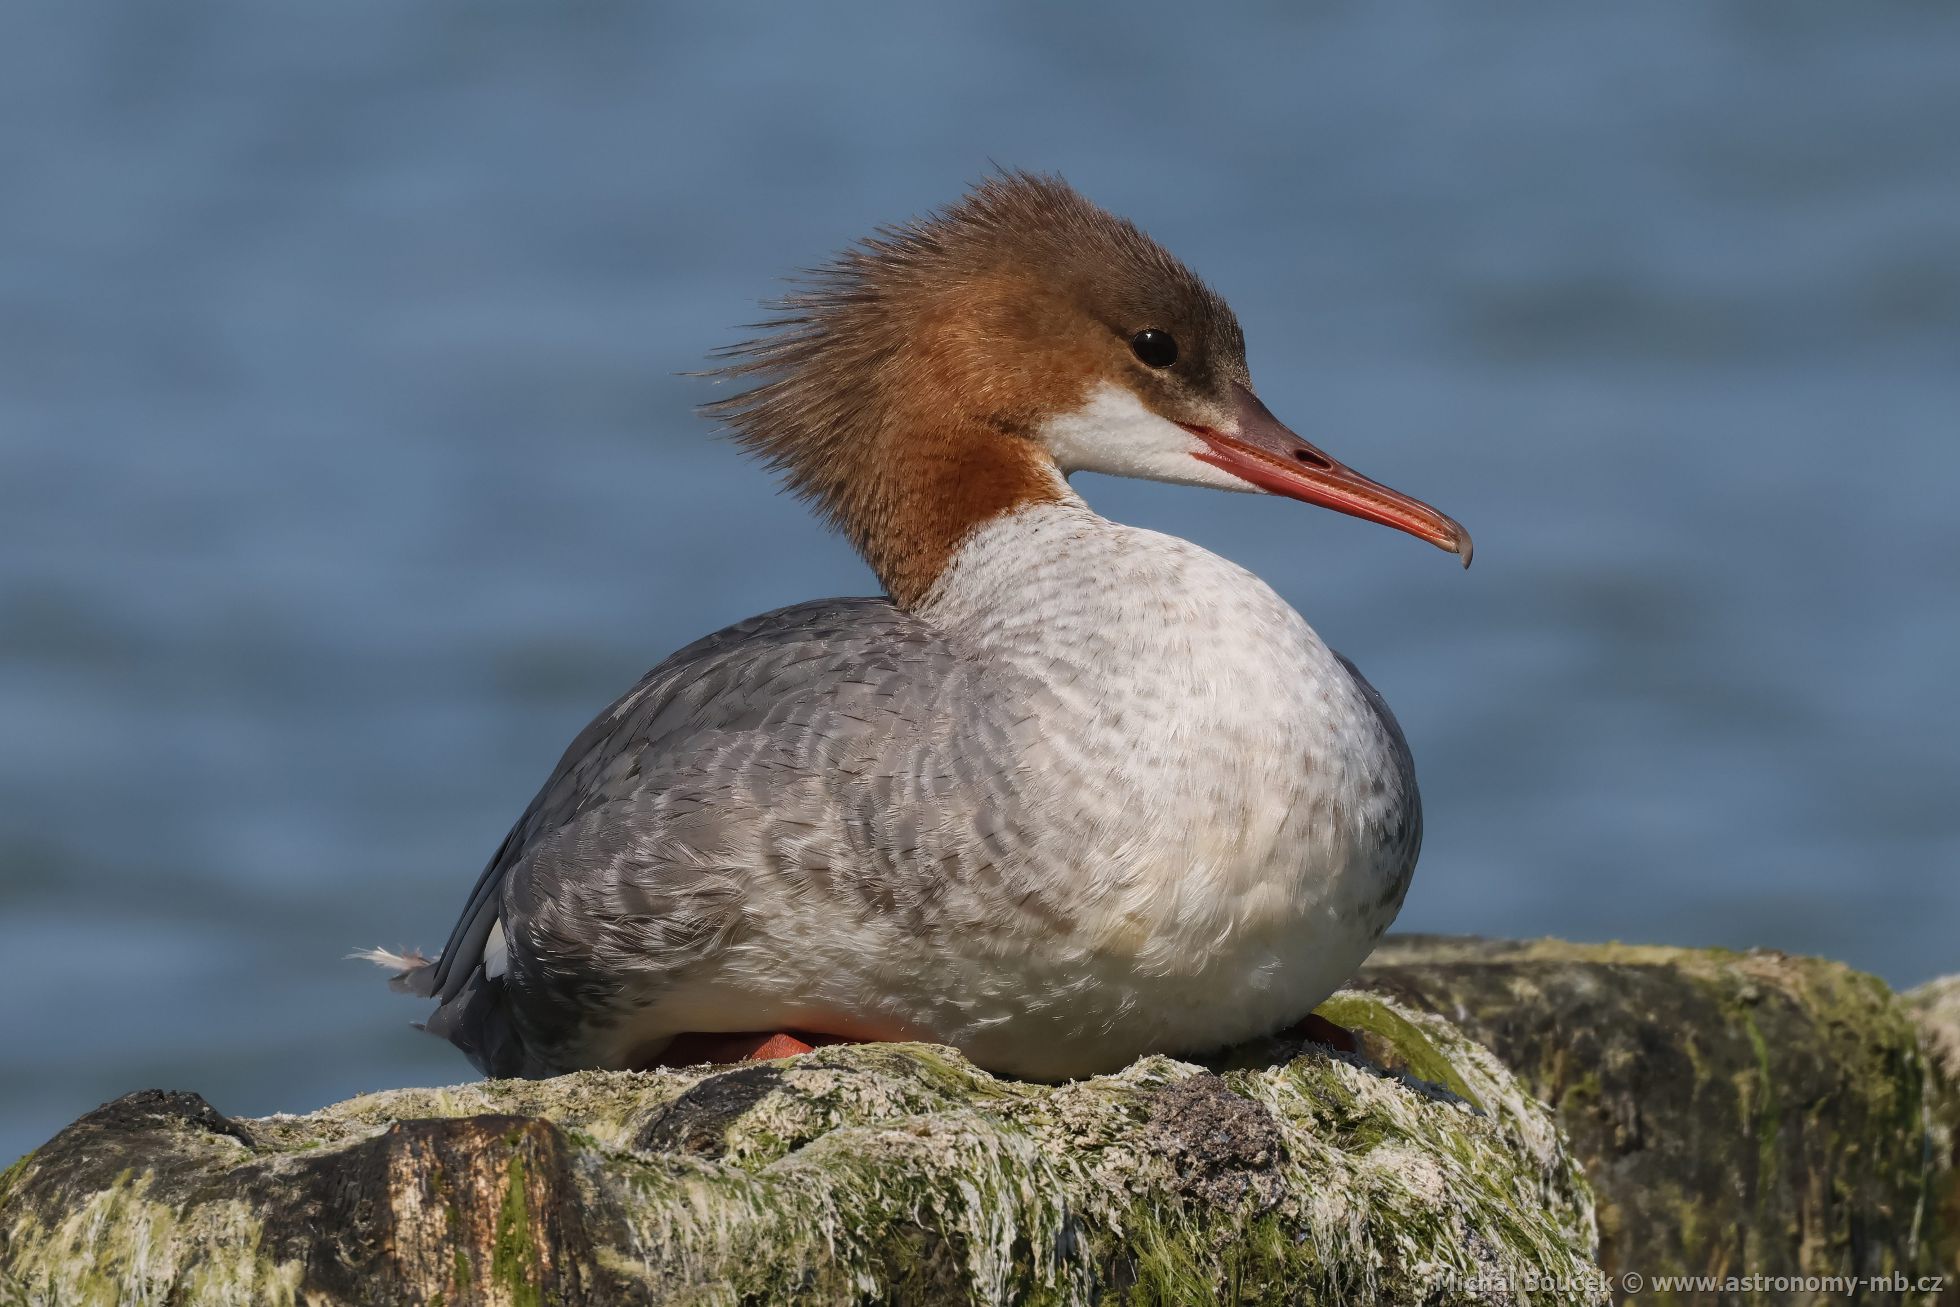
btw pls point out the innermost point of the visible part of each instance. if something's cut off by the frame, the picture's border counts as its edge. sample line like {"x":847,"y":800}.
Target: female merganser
{"x":1070,"y":793}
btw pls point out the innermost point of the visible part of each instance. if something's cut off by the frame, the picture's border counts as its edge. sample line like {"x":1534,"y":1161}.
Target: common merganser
{"x":1069,"y":793}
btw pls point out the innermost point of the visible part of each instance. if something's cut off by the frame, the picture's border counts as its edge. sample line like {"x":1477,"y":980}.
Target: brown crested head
{"x":946,"y":371}
{"x":903,"y":388}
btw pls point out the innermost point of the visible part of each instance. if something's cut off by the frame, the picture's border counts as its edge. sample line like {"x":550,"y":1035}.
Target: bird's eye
{"x":1154,"y":347}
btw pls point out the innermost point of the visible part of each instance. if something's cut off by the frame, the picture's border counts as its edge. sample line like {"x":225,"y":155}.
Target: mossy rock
{"x":1936,"y":1009}
{"x":1738,"y":1114}
{"x":1282,"y":1173}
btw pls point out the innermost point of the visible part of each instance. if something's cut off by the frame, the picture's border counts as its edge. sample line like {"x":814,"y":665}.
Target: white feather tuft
{"x":396,"y":962}
{"x":414,"y":973}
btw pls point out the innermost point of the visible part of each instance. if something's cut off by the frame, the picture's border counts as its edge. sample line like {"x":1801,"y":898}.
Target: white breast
{"x":1233,"y":820}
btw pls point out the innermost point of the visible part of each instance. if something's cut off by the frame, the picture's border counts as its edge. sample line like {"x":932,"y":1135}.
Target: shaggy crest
{"x":897,"y":388}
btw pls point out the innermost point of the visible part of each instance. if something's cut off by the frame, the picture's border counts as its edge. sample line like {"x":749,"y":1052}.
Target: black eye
{"x":1154,"y":347}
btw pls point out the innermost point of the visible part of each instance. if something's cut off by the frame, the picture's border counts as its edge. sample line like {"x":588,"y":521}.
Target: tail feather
{"x":477,"y":1022}
{"x":414,"y":973}
{"x":473,"y":1018}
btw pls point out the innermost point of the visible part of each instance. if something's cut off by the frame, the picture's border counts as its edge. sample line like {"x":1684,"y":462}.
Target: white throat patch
{"x":1115,"y":434}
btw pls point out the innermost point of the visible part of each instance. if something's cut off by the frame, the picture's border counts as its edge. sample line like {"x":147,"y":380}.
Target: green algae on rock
{"x":1935,"y":1007}
{"x":1736,"y":1113}
{"x":873,"y":1173}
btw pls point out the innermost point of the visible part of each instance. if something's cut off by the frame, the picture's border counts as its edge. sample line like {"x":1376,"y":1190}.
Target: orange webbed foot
{"x":693,"y":1049}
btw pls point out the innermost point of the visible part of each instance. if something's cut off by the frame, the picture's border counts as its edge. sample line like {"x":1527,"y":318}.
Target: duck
{"x":1068,"y":792}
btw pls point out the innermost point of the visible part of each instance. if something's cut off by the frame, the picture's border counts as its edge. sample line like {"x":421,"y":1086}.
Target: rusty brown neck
{"x":916,"y":499}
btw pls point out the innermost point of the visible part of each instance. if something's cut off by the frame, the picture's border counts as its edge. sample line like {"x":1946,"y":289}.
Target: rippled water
{"x":345,"y":470}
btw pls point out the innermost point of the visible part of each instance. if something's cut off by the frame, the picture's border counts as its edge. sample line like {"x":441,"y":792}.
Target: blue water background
{"x":345,"y":469}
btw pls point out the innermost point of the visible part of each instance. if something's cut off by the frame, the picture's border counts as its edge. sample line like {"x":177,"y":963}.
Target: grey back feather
{"x":763,"y":737}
